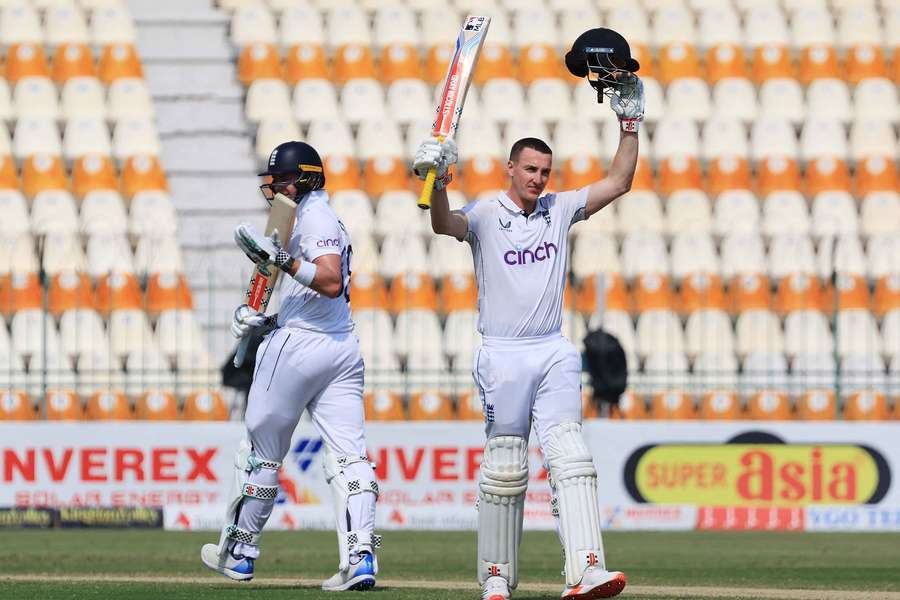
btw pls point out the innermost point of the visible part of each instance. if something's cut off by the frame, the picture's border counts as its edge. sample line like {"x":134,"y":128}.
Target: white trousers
{"x":299,"y":370}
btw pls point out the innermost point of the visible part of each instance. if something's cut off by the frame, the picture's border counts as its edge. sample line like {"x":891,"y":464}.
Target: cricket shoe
{"x":360,"y":576}
{"x":495,"y":588}
{"x":239,"y":568}
{"x":596,"y":583}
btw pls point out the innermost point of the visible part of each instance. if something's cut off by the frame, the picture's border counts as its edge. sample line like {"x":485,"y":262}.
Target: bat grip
{"x":425,"y":198}
{"x":241,"y":352}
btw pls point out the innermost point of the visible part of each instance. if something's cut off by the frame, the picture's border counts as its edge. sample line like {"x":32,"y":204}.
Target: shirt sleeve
{"x":571,"y":205}
{"x":473,"y":211}
{"x":318,"y":233}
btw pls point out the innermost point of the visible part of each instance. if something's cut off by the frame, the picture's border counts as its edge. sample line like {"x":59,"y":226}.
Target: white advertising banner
{"x":652,"y":475}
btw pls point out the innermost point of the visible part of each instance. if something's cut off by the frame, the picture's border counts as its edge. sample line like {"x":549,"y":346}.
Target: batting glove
{"x":245,"y":321}
{"x":627,"y":102}
{"x":261,"y":249}
{"x":434,"y":154}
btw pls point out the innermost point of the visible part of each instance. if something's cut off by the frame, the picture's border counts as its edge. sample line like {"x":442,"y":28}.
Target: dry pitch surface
{"x":153,"y":564}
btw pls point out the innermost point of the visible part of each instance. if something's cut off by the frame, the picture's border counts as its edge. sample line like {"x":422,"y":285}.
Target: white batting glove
{"x":261,"y":249}
{"x":245,"y":321}
{"x":627,"y":102}
{"x":434,"y":154}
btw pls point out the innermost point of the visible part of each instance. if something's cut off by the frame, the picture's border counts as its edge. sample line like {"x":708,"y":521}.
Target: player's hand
{"x":262,"y":250}
{"x":627,"y":102}
{"x":245,"y":321}
{"x":434,"y":154}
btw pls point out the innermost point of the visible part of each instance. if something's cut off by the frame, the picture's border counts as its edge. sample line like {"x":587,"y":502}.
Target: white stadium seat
{"x":130,"y":97}
{"x":36,"y":97}
{"x":111,"y":24}
{"x":133,"y":136}
{"x":83,"y":97}
{"x":36,"y":136}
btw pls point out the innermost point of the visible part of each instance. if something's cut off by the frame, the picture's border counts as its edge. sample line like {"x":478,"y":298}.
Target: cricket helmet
{"x":604,"y":57}
{"x":294,"y":158}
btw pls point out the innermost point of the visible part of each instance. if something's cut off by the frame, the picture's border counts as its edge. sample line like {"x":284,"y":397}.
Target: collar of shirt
{"x":511,"y":206}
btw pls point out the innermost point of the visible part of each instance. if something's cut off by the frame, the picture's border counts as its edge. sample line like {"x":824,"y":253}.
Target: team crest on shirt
{"x":505,"y":226}
{"x":546,"y":215}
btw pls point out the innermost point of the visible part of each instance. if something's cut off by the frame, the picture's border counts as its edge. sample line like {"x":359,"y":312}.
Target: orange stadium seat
{"x":386,"y":174}
{"x":63,"y":405}
{"x":641,"y":53}
{"x":895,"y":62}
{"x":367,"y":291}
{"x":67,"y":291}
{"x":580,"y":170}
{"x":383,"y":405}
{"x":26,"y":60}
{"x":887,"y":295}
{"x":15,"y":406}
{"x":353,"y":61}
{"x":93,"y":172}
{"x":430,"y":406}
{"x":617,"y":296}
{"x":168,"y":291}
{"x":258,"y":61}
{"x":772,"y":62}
{"x":43,"y":172}
{"x":679,"y":172}
{"x":777,"y":174}
{"x":538,"y":61}
{"x":720,"y":406}
{"x":142,"y":173}
{"x":643,"y":176}
{"x":769,"y":405}
{"x":483,"y":174}
{"x":876,"y":174}
{"x":342,"y":173}
{"x":108,"y":405}
{"x":865,"y":61}
{"x":866,"y":406}
{"x":652,"y":291}
{"x":728,"y":173}
{"x":631,"y":406}
{"x":818,"y":62}
{"x":494,"y":62}
{"x":72,"y":60}
{"x":470,"y":408}
{"x":672,"y":405}
{"x":118,"y":291}
{"x":205,"y":406}
{"x":119,"y":61}
{"x":678,"y":60}
{"x":305,"y":61}
{"x":827,"y":174}
{"x":589,"y":408}
{"x":701,"y":291}
{"x":816,"y":405}
{"x":411,"y":291}
{"x":458,"y":292}
{"x":853,"y":293}
{"x":19,"y":291}
{"x":799,"y":292}
{"x":436,"y":60}
{"x":399,"y":61}
{"x":155,"y":405}
{"x":749,"y":291}
{"x":724,"y":61}
{"x":9,"y":178}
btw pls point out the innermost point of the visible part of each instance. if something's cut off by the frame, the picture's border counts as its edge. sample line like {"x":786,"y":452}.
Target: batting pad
{"x":501,"y":502}
{"x":574,"y":482}
{"x":353,"y":533}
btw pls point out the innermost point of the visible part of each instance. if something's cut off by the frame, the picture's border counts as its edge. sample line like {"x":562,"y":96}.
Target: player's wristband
{"x":305,"y":273}
{"x":630,"y":125}
{"x":442,"y":182}
{"x":284,"y":261}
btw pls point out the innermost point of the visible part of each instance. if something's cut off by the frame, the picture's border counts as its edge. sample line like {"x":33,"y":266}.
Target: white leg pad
{"x":245,"y":462}
{"x":352,"y":537}
{"x":501,"y":502}
{"x":573,"y":479}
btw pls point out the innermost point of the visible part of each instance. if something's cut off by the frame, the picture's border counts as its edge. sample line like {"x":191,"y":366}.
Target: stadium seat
{"x":108,"y":406}
{"x":675,"y":137}
{"x":16,"y":406}
{"x":412,"y":291}
{"x":72,"y":61}
{"x":142,"y":173}
{"x":20,"y":290}
{"x":720,"y":405}
{"x":736,"y":212}
{"x":819,"y":61}
{"x":708,"y":331}
{"x":769,"y":405}
{"x":15,"y":213}
{"x":773,"y":137}
{"x":383,"y":405}
{"x":167,"y":291}
{"x":886,"y":300}
{"x":494,"y":62}
{"x":791,"y":253}
{"x":715,"y":372}
{"x":701,"y":291}
{"x":724,"y":137}
{"x":777,"y":173}
{"x":112,"y":24}
{"x":62,"y":252}
{"x":353,"y":61}
{"x":69,"y":290}
{"x":129,"y":97}
{"x":156,"y":405}
{"x":758,"y":331}
{"x":734,"y":97}
{"x":85,"y":136}
{"x":135,"y":136}
{"x":267,"y":98}
{"x":866,"y":406}
{"x":304,"y":61}
{"x":813,"y":371}
{"x":119,"y":60}
{"x":693,"y":253}
{"x":107,"y":253}
{"x":470,"y":407}
{"x":800,"y":291}
{"x":430,"y":406}
{"x":82,"y":332}
{"x":772,"y":61}
{"x":816,"y":405}
{"x":458,"y":292}
{"x":118,"y":291}
{"x":482,"y":175}
{"x":409,"y":100}
{"x":726,"y":61}
{"x":679,"y":172}
{"x":882,"y":255}
{"x":376,"y":334}
{"x":461,"y":339}
{"x":659,"y":331}
{"x":20,"y":22}
{"x":630,"y":407}
{"x":763,"y":371}
{"x":862,"y":372}
{"x":36,"y":98}
{"x":806,"y":332}
{"x":83,"y":97}
{"x":652,"y":291}
{"x":64,"y":24}
{"x":678,"y":60}
{"x":205,"y":406}
{"x":875,"y":98}
{"x":300,"y":23}
{"x":857,"y":333}
{"x":853,"y":293}
{"x":688,"y":97}
{"x":673,"y":405}
{"x":33,"y":136}
{"x":25,"y":60}
{"x":615,"y":294}
{"x":152,"y":214}
{"x":252,"y":23}
{"x":63,"y":405}
{"x":785,"y":213}
{"x":399,"y":61}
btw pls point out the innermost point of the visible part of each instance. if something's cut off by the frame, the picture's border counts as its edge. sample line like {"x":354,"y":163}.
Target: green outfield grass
{"x":859,"y":562}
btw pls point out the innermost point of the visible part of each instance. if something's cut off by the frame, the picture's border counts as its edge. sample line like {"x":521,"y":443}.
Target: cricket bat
{"x":459,"y":75}
{"x":264,"y":278}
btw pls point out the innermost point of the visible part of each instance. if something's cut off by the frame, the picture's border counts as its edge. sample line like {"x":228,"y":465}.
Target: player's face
{"x":281,"y":184}
{"x":530,"y":173}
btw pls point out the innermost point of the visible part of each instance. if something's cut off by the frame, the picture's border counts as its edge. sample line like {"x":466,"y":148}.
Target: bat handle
{"x":241,"y":352}
{"x":425,"y":198}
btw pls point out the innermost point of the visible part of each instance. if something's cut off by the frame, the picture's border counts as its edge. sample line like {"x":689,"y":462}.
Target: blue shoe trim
{"x":360,"y":586}
{"x":245,"y":567}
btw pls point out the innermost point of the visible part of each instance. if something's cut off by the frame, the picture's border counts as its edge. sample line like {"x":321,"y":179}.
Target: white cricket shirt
{"x":317,"y":231}
{"x":520,"y":262}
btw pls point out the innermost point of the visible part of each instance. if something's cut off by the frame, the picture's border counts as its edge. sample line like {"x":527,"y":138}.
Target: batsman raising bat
{"x":309,"y":361}
{"x":526,"y":371}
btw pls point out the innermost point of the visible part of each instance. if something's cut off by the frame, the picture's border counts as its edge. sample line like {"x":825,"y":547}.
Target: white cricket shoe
{"x":596,"y":583}
{"x":495,"y":588}
{"x":360,"y":576}
{"x":239,"y":568}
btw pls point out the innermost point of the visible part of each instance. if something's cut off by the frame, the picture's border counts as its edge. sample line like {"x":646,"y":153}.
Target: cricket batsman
{"x":310,"y":360}
{"x":526,"y":371}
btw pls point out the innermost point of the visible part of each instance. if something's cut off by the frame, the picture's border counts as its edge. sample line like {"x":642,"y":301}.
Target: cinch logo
{"x":526,"y":256}
{"x":332,"y":243}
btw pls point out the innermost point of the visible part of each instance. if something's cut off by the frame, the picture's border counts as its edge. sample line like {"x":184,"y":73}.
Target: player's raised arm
{"x":627,"y":102}
{"x":433,"y":153}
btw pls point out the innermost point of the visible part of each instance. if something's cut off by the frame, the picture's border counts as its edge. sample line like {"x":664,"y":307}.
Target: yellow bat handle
{"x":425,"y":198}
